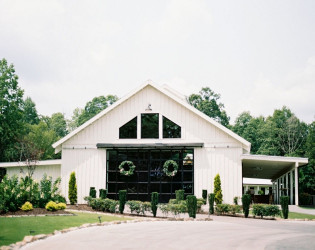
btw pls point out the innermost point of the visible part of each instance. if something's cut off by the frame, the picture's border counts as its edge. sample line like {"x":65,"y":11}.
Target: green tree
{"x":30,"y":114}
{"x":58,"y":124}
{"x":11,"y":103}
{"x":218,"y":197}
{"x":207,"y":101}
{"x":95,"y":106}
{"x":73,"y":193}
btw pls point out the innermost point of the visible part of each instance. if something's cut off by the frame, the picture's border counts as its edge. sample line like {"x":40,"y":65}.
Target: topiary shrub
{"x":246,"y":199}
{"x":93,"y":192}
{"x":61,"y":206}
{"x":284,"y":202}
{"x":180,"y":195}
{"x":73,"y":193}
{"x":103,"y":193}
{"x":154,"y":202}
{"x":218,"y":197}
{"x":191,"y":205}
{"x":204,"y":195}
{"x":235,"y":200}
{"x":27,"y":206}
{"x":122,"y":200}
{"x":211,"y":203}
{"x":51,"y":206}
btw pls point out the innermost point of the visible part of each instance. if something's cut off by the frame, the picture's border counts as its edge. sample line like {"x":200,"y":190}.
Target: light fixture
{"x":148,"y":108}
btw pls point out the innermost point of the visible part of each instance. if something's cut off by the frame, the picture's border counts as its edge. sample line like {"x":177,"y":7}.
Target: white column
{"x":287,"y":182}
{"x":291,"y":187}
{"x":296,"y":184}
{"x":139,"y":126}
{"x":160,"y":126}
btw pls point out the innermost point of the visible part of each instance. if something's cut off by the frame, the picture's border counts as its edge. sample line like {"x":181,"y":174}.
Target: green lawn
{"x":14,"y":229}
{"x":307,"y":207}
{"x":293,"y":215}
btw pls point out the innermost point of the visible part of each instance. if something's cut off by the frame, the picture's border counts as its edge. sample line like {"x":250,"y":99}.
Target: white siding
{"x":52,"y":170}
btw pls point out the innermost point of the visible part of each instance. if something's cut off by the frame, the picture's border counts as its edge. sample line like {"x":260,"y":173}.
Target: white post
{"x":139,"y":127}
{"x":296,"y":184}
{"x":287,"y":182}
{"x":291,"y":187}
{"x":160,"y":126}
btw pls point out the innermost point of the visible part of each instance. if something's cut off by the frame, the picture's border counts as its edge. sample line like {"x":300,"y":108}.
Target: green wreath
{"x":170,"y":164}
{"x":122,"y":168}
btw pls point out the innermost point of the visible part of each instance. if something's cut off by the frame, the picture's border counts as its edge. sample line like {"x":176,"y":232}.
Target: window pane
{"x":149,"y":125}
{"x":129,"y":130}
{"x":171,"y":129}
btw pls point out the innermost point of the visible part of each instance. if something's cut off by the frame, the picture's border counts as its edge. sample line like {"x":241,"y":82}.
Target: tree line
{"x":25,"y":134}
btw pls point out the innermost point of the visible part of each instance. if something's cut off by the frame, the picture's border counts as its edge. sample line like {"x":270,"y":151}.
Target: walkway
{"x":221,"y":233}
{"x":302,"y":210}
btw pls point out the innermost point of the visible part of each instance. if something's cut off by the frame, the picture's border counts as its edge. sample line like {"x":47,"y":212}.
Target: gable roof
{"x":246,"y":144}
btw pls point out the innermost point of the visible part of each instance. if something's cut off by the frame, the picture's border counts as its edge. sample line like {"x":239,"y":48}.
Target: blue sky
{"x":259,"y":55}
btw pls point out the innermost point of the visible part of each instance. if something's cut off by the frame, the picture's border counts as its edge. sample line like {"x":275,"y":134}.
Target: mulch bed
{"x":81,"y":207}
{"x":36,"y":211}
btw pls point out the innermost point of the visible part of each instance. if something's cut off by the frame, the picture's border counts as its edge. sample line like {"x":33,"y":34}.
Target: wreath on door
{"x":127,"y":168}
{"x":170,"y":168}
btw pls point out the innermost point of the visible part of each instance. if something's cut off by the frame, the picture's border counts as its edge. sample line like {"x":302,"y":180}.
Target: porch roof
{"x":269,"y":167}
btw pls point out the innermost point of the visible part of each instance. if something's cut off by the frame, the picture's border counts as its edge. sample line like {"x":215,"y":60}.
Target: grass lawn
{"x":14,"y":229}
{"x":307,"y":207}
{"x":293,"y":215}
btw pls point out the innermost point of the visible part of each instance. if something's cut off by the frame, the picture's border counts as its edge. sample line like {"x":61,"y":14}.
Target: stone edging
{"x":31,"y":238}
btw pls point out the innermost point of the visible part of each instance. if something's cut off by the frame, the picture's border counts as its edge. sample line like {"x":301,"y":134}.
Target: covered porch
{"x":282,"y":171}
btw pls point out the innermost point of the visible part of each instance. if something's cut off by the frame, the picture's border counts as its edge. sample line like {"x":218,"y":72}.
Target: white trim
{"x":22,"y":163}
{"x":245,"y":143}
{"x":299,"y":160}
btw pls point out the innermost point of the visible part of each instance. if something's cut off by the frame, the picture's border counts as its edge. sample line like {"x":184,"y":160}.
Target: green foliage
{"x":265,"y":210}
{"x":72,"y":194}
{"x":200,"y":202}
{"x":27,"y":206}
{"x":11,"y":111}
{"x":92,"y":192}
{"x":122,"y":200}
{"x":154,"y":202}
{"x":30,"y":114}
{"x":261,"y":192}
{"x":191,"y":205}
{"x":105,"y":205}
{"x":235,"y":200}
{"x":58,"y":124}
{"x":177,"y":209}
{"x":139,"y":206}
{"x":222,"y":208}
{"x":235,"y":209}
{"x":207,"y":101}
{"x":103,"y":193}
{"x":61,"y":206}
{"x":218,"y":197}
{"x":180,"y":195}
{"x":204,"y":195}
{"x":284,"y":202}
{"x":164,"y":209}
{"x":211,"y":202}
{"x":9,"y":194}
{"x":246,"y":200}
{"x":53,"y":206}
{"x":305,"y":199}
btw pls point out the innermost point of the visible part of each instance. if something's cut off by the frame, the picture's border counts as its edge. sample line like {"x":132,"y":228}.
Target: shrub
{"x":173,"y":201}
{"x":61,"y":206}
{"x":261,"y":192}
{"x":305,"y":199}
{"x":265,"y":210}
{"x":204,"y":195}
{"x":122,"y":200}
{"x":235,"y":209}
{"x":72,"y":194}
{"x":222,"y":208}
{"x":145,"y":207}
{"x":284,"y":201}
{"x":51,"y":206}
{"x":9,"y":193}
{"x":272,"y":210}
{"x":235,"y":200}
{"x":259,"y":210}
{"x":154,"y":202}
{"x":177,"y":209}
{"x":135,"y":206}
{"x":113,"y":206}
{"x":103,"y":193}
{"x":211,"y":203}
{"x":45,"y":190}
{"x":59,"y":199}
{"x":164,"y":208}
{"x":246,"y":199}
{"x":180,"y":195}
{"x":218,"y":197}
{"x":27,"y":206}
{"x":200,"y":202}
{"x":192,"y":205}
{"x":92,"y":192}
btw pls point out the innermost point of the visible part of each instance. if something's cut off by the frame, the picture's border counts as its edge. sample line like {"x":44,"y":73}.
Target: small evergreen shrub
{"x":154,"y":202}
{"x":204,"y":196}
{"x":265,"y":210}
{"x":246,"y":199}
{"x":61,"y":206}
{"x":103,"y":193}
{"x":135,"y":206}
{"x":218,"y":197}
{"x":27,"y":206}
{"x":211,"y":203}
{"x":122,"y":200}
{"x":235,"y":200}
{"x":284,"y":202}
{"x":51,"y":206}
{"x":259,"y":210}
{"x":93,"y":192}
{"x":200,"y":202}
{"x":235,"y":209}
{"x":73,"y":193}
{"x":222,"y":209}
{"x":192,"y":205}
{"x":180,"y":195}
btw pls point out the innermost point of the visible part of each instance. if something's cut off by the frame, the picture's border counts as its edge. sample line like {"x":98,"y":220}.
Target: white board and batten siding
{"x":220,"y":154}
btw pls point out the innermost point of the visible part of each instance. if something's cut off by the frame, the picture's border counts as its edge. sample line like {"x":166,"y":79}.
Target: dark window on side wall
{"x":149,"y":125}
{"x":129,"y":130}
{"x":171,"y":129}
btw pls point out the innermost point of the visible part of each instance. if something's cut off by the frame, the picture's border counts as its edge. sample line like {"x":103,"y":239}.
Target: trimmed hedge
{"x":27,"y":206}
{"x":139,"y":206}
{"x":103,"y":193}
{"x":204,"y":195}
{"x":180,"y":195}
{"x":246,"y":200}
{"x":93,"y":192}
{"x":122,"y":200}
{"x":211,"y":203}
{"x":265,"y":210}
{"x":154,"y":202}
{"x":192,"y":205}
{"x":105,"y":205}
{"x":284,"y":201}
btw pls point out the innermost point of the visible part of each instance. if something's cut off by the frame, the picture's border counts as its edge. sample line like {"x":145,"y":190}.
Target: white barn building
{"x":149,"y":126}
